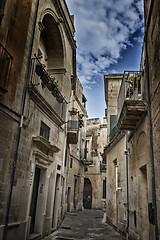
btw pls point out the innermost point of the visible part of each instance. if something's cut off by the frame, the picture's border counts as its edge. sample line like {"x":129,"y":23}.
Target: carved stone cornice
{"x":43,"y":151}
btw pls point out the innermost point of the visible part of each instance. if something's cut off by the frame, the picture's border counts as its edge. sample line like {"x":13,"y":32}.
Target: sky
{"x":109,"y":35}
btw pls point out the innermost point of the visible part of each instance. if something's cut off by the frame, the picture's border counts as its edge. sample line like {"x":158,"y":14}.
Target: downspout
{"x":2,"y":6}
{"x":21,"y":124}
{"x":127,"y":187}
{"x":150,"y":125}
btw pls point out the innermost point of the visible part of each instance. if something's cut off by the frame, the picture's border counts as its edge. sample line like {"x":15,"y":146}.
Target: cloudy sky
{"x":109,"y":37}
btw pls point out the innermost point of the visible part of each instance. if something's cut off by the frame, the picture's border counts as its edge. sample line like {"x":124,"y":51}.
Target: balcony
{"x":86,"y":157}
{"x":5,"y":69}
{"x":131,"y":106}
{"x":72,"y":131}
{"x":45,"y":92}
{"x":87,"y":162}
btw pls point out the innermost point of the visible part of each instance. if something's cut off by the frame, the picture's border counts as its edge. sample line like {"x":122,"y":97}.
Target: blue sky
{"x":109,"y":36}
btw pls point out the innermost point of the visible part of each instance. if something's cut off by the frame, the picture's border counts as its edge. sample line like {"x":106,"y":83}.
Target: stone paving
{"x":86,"y":225}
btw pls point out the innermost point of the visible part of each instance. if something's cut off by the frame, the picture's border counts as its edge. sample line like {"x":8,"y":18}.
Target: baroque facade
{"x":40,"y":136}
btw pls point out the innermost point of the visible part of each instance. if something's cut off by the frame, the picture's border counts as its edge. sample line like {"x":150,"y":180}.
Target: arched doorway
{"x":87,"y":194}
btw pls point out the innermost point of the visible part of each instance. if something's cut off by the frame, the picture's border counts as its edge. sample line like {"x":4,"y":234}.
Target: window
{"x":44,"y":131}
{"x":113,"y":121}
{"x":65,"y":162}
{"x":6,"y":64}
{"x":71,"y":162}
{"x":58,"y":167}
{"x":104,"y":188}
{"x":2,"y":7}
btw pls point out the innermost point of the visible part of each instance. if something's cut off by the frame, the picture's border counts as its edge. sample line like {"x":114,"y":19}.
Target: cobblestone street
{"x":87,"y":224}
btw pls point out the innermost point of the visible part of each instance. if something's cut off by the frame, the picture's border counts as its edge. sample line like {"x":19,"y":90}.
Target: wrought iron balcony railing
{"x":131,"y":106}
{"x":5,"y":69}
{"x":39,"y":75}
{"x":47,"y":88}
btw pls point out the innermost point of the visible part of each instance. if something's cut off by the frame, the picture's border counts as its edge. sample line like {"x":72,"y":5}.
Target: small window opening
{"x":44,"y":131}
{"x":71,"y":163}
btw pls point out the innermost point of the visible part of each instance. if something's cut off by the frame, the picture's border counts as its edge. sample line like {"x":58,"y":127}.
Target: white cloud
{"x":103,"y":31}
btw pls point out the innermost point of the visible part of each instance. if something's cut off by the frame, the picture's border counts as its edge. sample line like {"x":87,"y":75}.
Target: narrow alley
{"x":79,"y":120}
{"x":87,"y":224}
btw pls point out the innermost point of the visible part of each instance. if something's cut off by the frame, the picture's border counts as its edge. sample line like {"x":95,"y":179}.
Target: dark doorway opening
{"x":56,"y":202}
{"x":34,"y":198}
{"x":87,"y":194}
{"x":75,"y":194}
{"x":68,"y":199}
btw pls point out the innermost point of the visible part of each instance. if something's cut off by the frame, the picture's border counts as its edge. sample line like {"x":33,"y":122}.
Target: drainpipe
{"x":2,"y":6}
{"x":21,"y":123}
{"x":150,"y":124}
{"x":127,"y":187}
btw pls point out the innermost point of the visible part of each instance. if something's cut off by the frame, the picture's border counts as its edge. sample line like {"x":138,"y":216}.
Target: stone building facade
{"x":115,"y":157}
{"x":95,"y":165}
{"x":38,"y":85}
{"x":127,"y":156}
{"x":76,"y":138}
{"x":152,"y":76}
{"x":138,"y":114}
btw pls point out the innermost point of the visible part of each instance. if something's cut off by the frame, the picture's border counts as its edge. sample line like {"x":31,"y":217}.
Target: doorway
{"x":56,"y":202}
{"x":68,"y":199}
{"x":75,"y":194}
{"x":34,"y":198}
{"x":87,"y":194}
